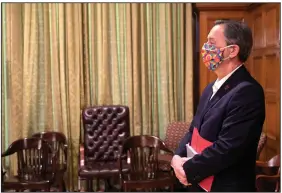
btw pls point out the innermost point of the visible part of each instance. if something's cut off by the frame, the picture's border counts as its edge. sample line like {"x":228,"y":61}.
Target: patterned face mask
{"x":212,"y":56}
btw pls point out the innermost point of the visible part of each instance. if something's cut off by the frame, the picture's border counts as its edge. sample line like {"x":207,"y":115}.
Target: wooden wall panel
{"x":257,"y":71}
{"x":223,"y":6}
{"x":258,"y":31}
{"x":265,"y":67}
{"x":271,"y":25}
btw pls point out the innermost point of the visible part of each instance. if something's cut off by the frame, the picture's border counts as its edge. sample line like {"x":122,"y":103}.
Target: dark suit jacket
{"x":233,"y":121}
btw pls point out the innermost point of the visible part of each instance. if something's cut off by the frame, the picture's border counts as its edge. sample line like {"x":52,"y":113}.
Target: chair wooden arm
{"x":268,"y":183}
{"x":266,"y":168}
{"x":65,"y":147}
{"x":261,"y":164}
{"x":165,"y":157}
{"x":6,"y":153}
{"x":81,"y":155}
{"x":167,"y":150}
{"x":273,"y":178}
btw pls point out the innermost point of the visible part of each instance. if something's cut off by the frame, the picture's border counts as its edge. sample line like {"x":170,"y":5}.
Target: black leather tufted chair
{"x":105,"y":130}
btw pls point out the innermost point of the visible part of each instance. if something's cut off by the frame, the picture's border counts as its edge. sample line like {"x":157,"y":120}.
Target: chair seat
{"x":19,"y":183}
{"x":133,"y":176}
{"x":143,"y":180}
{"x":102,"y":169}
{"x":22,"y":180}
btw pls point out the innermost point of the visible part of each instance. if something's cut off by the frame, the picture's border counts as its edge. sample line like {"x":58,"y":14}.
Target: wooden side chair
{"x":266,"y":183}
{"x":268,"y":175}
{"x":270,"y":167}
{"x":59,"y":146}
{"x":144,"y":172}
{"x":32,"y":162}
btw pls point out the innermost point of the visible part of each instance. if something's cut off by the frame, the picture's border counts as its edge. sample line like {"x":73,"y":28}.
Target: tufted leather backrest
{"x":105,"y":130}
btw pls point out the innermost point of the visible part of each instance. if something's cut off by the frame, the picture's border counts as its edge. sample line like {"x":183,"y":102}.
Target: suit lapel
{"x":224,"y":89}
{"x":206,"y":105}
{"x":237,"y":77}
{"x":207,"y":102}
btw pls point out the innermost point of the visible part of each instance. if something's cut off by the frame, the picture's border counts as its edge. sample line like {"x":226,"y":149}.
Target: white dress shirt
{"x":218,"y":83}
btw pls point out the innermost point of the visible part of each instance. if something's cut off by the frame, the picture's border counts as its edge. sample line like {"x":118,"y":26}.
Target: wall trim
{"x":226,"y":6}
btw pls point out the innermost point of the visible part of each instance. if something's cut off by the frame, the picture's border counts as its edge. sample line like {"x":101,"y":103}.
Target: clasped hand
{"x":177,"y":165}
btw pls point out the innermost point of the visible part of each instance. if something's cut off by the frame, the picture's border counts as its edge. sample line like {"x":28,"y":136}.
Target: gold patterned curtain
{"x":60,"y":57}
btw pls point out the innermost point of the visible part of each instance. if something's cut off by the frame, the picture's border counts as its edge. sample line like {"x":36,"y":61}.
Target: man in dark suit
{"x":230,"y":114}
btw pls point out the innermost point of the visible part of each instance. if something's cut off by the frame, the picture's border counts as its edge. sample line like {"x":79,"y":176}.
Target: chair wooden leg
{"x":108,"y":186}
{"x":78,"y":184}
{"x":98,"y":187}
{"x":171,"y":187}
{"x":63,"y":186}
{"x":121,"y":188}
{"x":47,"y":189}
{"x":89,"y":185}
{"x":125,"y":188}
